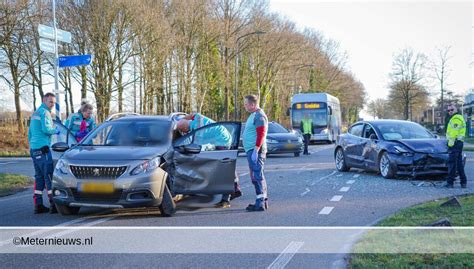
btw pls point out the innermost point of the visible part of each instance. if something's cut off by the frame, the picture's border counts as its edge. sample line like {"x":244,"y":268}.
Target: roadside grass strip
{"x":421,"y":215}
{"x":10,"y":183}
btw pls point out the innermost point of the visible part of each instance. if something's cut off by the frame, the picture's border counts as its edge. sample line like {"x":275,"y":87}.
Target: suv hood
{"x":426,"y":145}
{"x":114,"y":153}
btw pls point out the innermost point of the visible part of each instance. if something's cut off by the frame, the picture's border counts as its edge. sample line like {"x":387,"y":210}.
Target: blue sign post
{"x":74,"y":60}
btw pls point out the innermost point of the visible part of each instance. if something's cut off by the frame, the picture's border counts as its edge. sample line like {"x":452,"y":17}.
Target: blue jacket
{"x":41,"y":128}
{"x":217,"y":136}
{"x":73,"y":123}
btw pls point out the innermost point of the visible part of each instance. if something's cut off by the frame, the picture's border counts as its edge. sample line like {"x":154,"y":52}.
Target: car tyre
{"x":67,"y":210}
{"x":297,"y":154}
{"x":167,"y":206}
{"x":386,"y":169}
{"x":340,"y":160}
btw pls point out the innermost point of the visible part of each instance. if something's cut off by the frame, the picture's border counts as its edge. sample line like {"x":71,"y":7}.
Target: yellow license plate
{"x":289,"y":146}
{"x":97,"y":187}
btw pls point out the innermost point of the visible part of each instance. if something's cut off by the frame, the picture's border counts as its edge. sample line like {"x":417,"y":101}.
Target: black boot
{"x":41,"y":209}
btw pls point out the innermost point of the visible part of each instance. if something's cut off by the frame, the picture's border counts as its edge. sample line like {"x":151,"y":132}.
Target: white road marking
{"x":326,"y":210}
{"x":344,"y":189}
{"x":350,"y":181}
{"x":314,"y":183}
{"x":284,"y":258}
{"x":305,"y":192}
{"x":7,"y":163}
{"x":336,"y":198}
{"x":339,"y":175}
{"x":243,"y":174}
{"x":356,"y":176}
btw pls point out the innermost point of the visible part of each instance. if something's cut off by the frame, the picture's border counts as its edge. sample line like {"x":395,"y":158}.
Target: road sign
{"x":74,"y":60}
{"x":47,"y":45}
{"x":48,"y":32}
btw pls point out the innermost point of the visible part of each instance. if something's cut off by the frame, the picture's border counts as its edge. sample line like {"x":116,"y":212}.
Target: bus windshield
{"x":319,"y":116}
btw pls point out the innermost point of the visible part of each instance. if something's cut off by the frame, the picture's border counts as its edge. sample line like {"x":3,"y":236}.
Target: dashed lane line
{"x":350,"y":181}
{"x":7,"y":163}
{"x":356,"y":176}
{"x":336,"y":198}
{"x":326,"y":210}
{"x":344,"y":189}
{"x":286,"y":255}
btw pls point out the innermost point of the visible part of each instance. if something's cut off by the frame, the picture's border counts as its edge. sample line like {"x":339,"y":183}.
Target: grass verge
{"x":10,"y":183}
{"x":420,"y":215}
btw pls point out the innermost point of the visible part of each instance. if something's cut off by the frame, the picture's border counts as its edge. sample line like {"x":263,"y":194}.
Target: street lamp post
{"x":296,"y":72}
{"x":236,"y":77}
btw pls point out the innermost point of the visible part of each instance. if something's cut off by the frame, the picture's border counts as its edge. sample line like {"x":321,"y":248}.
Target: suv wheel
{"x":67,"y":210}
{"x":167,"y":206}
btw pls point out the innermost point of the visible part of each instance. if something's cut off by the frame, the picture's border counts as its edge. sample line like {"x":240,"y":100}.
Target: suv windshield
{"x":403,"y":130}
{"x":130,"y":133}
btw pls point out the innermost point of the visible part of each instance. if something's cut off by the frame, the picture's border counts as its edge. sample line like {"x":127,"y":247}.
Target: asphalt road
{"x":303,"y":191}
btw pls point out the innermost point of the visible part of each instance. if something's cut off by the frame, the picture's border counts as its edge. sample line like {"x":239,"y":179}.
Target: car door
{"x":65,"y":136}
{"x":354,"y":145}
{"x":212,"y":169}
{"x":370,"y":149}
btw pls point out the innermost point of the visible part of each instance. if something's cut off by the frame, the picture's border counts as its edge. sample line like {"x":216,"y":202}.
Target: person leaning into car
{"x":221,"y":139}
{"x":39,"y":137}
{"x":307,"y":131}
{"x":455,"y":133}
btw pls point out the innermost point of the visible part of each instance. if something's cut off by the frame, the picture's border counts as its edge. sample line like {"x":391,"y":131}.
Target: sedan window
{"x":356,"y":129}
{"x":403,"y":130}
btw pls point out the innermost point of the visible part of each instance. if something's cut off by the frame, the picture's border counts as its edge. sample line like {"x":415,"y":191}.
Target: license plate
{"x":96,"y":187}
{"x":289,"y":146}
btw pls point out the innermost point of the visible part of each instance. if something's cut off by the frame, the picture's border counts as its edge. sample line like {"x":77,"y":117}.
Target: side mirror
{"x":330,"y":110}
{"x":189,"y":149}
{"x":60,"y":147}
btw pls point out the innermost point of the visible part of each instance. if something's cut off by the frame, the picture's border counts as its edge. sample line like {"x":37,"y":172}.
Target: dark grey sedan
{"x":281,"y":141}
{"x":134,"y":161}
{"x":392,"y":147}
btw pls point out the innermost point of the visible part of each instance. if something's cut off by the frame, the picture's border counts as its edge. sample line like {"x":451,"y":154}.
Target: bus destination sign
{"x":308,"y":106}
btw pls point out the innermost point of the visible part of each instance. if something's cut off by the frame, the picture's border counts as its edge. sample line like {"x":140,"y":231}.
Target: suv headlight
{"x":300,"y":140}
{"x":146,"y":166}
{"x":272,"y":141}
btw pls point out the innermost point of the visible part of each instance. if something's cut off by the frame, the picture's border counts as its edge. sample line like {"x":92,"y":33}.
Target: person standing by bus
{"x":307,"y":131}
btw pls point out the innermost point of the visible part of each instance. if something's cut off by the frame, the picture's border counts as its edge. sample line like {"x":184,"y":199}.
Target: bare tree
{"x":441,"y":72}
{"x":378,"y":108}
{"x":406,"y":88}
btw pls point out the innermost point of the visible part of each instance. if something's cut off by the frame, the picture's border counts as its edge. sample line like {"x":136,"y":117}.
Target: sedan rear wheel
{"x":385,"y":167}
{"x":341,"y":161}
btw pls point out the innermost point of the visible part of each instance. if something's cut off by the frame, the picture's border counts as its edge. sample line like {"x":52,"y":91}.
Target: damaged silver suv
{"x":140,"y":161}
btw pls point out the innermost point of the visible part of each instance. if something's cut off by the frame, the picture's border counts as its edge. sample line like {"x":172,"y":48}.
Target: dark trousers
{"x":258,"y":177}
{"x":306,"y":137}
{"x":455,"y":163}
{"x":43,"y":163}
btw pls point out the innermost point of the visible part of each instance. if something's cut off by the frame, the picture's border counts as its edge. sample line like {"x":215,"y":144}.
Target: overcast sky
{"x":373,"y":31}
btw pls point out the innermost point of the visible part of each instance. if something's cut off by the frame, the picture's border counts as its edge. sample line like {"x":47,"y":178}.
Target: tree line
{"x":161,"y":56}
